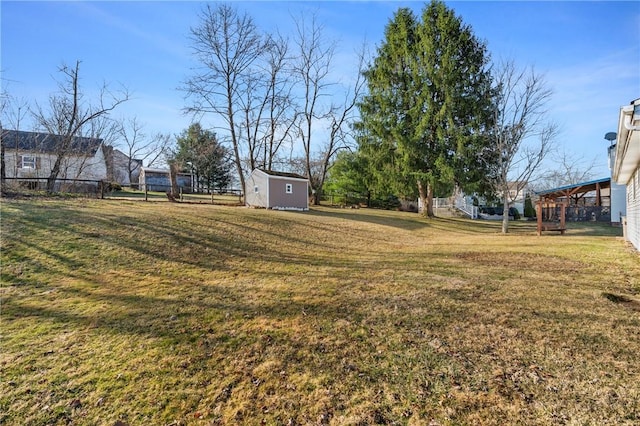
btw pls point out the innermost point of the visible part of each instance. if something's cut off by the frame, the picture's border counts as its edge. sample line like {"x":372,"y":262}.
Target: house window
{"x":256,"y":189}
{"x":28,"y":162}
{"x":288,"y":188}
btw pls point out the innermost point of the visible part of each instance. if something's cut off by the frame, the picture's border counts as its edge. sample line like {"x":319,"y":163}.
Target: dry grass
{"x":161,"y":313}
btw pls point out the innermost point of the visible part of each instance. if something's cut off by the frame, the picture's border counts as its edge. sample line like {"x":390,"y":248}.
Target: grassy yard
{"x":129,"y":313}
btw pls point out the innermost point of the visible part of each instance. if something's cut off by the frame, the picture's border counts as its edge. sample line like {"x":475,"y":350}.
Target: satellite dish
{"x":611,"y":136}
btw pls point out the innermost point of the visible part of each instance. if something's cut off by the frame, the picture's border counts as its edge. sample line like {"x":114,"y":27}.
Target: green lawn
{"x":174,"y":313}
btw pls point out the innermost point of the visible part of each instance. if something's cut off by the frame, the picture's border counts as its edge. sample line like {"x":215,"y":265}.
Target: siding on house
{"x":85,"y":161}
{"x":626,"y":167}
{"x":118,"y":167}
{"x":633,"y":209}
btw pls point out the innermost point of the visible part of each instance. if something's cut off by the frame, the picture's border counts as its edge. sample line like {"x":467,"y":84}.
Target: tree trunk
{"x":505,"y":211}
{"x":173,"y":177}
{"x":55,"y":170}
{"x":3,"y":173}
{"x":426,"y":198}
{"x":316,"y":197}
{"x":430,"y":200}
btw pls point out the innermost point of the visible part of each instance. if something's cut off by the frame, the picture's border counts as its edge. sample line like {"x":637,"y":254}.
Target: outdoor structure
{"x":626,"y":168}
{"x":158,"y":180}
{"x":585,"y":201}
{"x":277,"y":190}
{"x":549,"y":218}
{"x":118,"y":164}
{"x":30,"y":156}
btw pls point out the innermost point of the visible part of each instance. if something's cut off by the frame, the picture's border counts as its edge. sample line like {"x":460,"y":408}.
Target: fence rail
{"x":105,"y":189}
{"x":225,"y":196}
{"x":61,"y":185}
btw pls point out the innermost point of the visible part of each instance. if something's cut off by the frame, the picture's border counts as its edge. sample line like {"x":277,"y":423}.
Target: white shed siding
{"x":257,"y":190}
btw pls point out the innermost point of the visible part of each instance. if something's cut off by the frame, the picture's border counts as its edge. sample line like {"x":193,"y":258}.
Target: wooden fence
{"x":106,"y":190}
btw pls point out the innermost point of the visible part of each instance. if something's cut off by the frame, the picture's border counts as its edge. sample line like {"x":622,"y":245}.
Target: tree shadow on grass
{"x":403,"y":220}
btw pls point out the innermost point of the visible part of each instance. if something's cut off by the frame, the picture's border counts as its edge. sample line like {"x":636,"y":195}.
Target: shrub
{"x":529,"y":211}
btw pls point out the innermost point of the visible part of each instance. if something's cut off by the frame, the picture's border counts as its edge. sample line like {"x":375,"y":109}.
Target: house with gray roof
{"x":30,"y":156}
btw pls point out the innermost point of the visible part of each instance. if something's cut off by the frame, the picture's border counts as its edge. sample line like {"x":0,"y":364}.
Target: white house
{"x":118,"y":165}
{"x":277,"y":190}
{"x":626,"y":166}
{"x":30,"y":156}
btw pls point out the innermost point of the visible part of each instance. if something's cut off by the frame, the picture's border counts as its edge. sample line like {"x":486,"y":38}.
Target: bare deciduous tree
{"x":282,"y":116}
{"x":522,"y":133}
{"x":140,"y":147}
{"x":68,"y":114}
{"x":568,"y":169}
{"x":227,"y":44}
{"x":314,"y":56}
{"x":340,"y":116}
{"x":268,"y":113}
{"x":12,"y":112}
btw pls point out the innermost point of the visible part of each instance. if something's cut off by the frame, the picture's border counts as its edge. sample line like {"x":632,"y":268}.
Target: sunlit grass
{"x":163,"y":313}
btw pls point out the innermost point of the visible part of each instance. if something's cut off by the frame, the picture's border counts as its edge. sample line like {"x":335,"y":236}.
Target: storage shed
{"x":277,"y":190}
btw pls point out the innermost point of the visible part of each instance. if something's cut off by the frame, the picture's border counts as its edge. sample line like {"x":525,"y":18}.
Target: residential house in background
{"x":626,"y":167}
{"x":517,"y":193}
{"x":118,"y":165}
{"x":151,"y":179}
{"x":30,"y":156}
{"x":277,"y":190}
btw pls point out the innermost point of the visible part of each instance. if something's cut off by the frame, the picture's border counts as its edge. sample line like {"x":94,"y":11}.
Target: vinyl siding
{"x":633,"y":209}
{"x":259,"y":198}
{"x":278,"y":197}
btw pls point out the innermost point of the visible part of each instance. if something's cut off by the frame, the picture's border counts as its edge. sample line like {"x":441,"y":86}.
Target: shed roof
{"x":578,"y":188}
{"x":47,"y":142}
{"x":282,"y":174}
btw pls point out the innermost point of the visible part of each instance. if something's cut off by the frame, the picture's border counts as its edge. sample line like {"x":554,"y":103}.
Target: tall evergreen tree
{"x":199,"y":151}
{"x":429,"y":103}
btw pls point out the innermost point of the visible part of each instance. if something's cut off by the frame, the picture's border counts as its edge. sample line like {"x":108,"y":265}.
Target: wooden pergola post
{"x":539,"y":216}
{"x":540,"y":206}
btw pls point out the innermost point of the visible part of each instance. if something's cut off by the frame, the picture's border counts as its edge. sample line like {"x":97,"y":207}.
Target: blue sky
{"x":588,"y":51}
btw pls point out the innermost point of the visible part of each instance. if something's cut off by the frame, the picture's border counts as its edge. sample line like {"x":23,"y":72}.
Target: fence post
{"x":211,"y":197}
{"x":146,"y":193}
{"x":181,"y":194}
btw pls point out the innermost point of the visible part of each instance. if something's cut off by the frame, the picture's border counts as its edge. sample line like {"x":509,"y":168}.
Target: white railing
{"x":465,"y":205}
{"x":441,"y":202}
{"x":459,"y":202}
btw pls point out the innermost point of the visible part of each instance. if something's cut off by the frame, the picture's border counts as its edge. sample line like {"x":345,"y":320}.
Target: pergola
{"x":550,"y":219}
{"x":574,"y":193}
